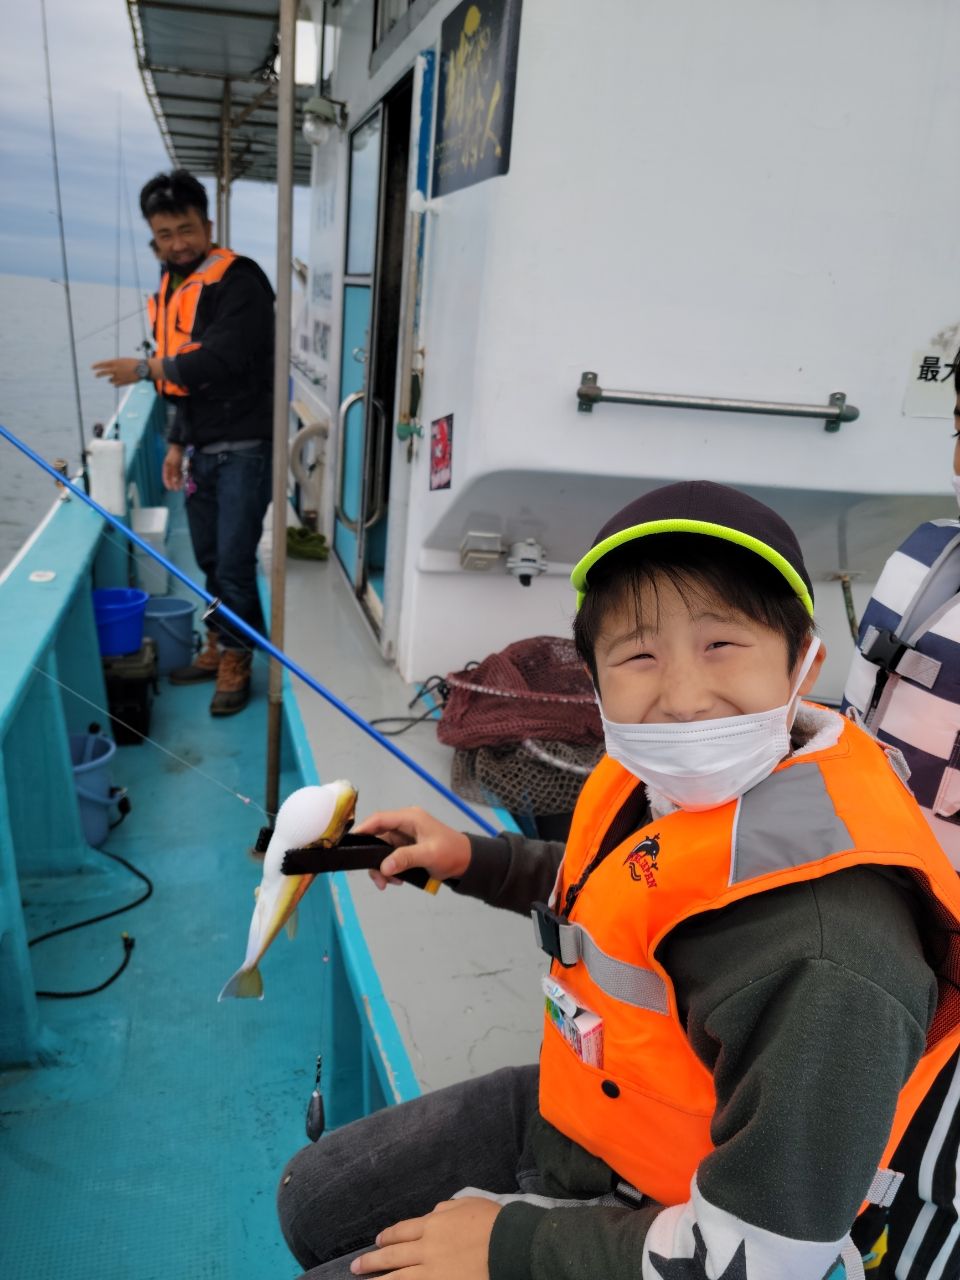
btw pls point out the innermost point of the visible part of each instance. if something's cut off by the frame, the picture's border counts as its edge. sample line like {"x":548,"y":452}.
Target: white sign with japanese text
{"x":930,"y":389}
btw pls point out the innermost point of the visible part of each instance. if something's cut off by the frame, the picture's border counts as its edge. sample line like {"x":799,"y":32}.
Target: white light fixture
{"x":320,"y":116}
{"x":307,"y":53}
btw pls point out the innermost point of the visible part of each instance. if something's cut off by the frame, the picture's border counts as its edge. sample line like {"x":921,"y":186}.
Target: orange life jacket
{"x":647,"y":1111}
{"x":172,"y":318}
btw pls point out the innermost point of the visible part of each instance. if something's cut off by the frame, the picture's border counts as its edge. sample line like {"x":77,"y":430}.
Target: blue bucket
{"x":90,"y":754}
{"x":118,"y":613}
{"x":169,"y":623}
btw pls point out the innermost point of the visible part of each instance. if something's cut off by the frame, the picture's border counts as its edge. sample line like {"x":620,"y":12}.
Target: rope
{"x":528,"y":695}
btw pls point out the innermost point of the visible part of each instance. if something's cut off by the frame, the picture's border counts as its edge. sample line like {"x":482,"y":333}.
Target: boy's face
{"x":693,"y":660}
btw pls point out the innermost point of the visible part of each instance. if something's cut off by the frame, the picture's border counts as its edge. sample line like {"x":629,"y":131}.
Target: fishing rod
{"x":116,"y":264}
{"x":145,"y":343}
{"x":217,"y":607}
{"x":63,"y":248}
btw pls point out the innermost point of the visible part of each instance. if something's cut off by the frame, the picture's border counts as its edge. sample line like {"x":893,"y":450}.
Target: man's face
{"x":956,"y":436}
{"x":181,"y":238}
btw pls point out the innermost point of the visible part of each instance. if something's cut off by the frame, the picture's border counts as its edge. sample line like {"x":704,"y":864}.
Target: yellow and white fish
{"x":311,"y":816}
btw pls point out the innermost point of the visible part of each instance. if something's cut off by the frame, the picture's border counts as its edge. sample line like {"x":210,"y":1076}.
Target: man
{"x":212,"y":320}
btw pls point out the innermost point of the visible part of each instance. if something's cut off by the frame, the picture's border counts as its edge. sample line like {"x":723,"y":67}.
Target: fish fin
{"x":245,"y":982}
{"x":292,"y":924}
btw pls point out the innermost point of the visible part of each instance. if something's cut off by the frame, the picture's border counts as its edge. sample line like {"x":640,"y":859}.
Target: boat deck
{"x":151,"y":1143}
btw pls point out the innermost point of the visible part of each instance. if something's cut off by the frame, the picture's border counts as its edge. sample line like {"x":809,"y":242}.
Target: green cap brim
{"x":579,"y":576}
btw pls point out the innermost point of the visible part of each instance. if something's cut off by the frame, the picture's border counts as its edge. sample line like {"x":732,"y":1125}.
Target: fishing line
{"x":108,"y":715}
{"x":237,"y":623}
{"x":110,"y":323}
{"x":63,"y":247}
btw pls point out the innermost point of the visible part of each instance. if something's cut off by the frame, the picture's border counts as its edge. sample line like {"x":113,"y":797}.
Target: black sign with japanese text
{"x":478,"y":71}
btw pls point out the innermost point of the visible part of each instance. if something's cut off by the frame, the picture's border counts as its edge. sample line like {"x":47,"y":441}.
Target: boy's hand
{"x":419,"y":840}
{"x":453,"y":1241}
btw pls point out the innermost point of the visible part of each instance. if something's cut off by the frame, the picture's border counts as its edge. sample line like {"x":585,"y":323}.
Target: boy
{"x":748,"y":926}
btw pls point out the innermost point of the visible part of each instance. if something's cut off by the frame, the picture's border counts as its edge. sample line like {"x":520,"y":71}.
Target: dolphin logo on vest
{"x":642,"y":861}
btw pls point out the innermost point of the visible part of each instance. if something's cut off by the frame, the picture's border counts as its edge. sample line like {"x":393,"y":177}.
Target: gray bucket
{"x":169,"y":622}
{"x":90,"y":754}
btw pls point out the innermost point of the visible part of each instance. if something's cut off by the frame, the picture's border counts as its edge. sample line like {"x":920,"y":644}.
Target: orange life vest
{"x":647,"y":1111}
{"x":172,"y":318}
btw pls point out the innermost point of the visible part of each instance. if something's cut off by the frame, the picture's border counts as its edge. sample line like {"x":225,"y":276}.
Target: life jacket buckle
{"x":885,"y":650}
{"x":546,"y":932}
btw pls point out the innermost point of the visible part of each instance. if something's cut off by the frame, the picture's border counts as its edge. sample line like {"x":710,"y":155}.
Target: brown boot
{"x":233,"y":683}
{"x":203,"y":667}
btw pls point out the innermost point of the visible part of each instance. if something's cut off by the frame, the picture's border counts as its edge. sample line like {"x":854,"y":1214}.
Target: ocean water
{"x":37,"y":399}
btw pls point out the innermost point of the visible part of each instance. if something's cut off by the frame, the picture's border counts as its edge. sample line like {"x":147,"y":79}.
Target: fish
{"x":309,"y":817}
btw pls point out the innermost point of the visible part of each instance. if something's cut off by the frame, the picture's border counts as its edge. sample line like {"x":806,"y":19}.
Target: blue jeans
{"x":227,"y":497}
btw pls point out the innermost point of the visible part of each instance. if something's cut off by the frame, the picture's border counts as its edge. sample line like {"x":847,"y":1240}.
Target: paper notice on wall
{"x":930,"y":387}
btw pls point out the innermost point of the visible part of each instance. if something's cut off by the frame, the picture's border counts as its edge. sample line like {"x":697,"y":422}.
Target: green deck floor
{"x":152,"y":1145}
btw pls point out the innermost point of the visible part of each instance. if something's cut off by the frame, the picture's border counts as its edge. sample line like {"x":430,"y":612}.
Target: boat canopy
{"x":209,"y":71}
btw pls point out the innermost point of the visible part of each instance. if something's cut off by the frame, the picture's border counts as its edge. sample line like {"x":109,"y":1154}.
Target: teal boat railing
{"x":50,"y":673}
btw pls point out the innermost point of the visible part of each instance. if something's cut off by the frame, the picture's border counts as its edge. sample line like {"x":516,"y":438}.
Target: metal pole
{"x":218,"y":224}
{"x":281,"y":375}
{"x":227,"y":142}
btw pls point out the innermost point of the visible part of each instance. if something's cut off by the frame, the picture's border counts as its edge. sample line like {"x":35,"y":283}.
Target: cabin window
{"x":387,"y":14}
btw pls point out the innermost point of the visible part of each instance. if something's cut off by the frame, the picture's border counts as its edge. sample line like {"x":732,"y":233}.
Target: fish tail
{"x":244,"y":983}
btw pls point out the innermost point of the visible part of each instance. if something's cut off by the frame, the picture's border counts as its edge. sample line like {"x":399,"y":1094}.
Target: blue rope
{"x":259,"y":640}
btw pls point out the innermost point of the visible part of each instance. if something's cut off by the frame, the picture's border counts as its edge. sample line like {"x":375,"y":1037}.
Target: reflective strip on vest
{"x":621,"y":981}
{"x":787,"y":820}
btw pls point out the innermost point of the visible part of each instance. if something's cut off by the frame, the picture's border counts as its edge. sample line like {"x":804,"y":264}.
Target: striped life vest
{"x":905,"y":677}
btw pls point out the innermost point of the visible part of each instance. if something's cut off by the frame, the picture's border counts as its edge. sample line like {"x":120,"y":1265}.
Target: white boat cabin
{"x":745,"y":202}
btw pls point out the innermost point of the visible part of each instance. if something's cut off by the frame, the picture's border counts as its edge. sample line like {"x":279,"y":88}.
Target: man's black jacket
{"x":229,"y":377}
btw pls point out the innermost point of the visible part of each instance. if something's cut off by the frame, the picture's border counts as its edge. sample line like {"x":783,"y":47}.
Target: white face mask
{"x":700,"y":764}
{"x":956,"y":488}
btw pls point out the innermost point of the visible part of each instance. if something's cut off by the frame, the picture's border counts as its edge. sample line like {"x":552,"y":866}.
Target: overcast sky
{"x":94,"y":74}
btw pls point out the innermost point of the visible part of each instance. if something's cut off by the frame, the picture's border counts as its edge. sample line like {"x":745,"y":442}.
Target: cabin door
{"x":376,"y":220}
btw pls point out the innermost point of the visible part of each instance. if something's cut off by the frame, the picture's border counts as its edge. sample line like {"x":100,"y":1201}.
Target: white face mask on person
{"x":700,"y":764}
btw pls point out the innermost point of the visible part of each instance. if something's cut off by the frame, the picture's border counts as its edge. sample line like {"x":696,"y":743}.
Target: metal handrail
{"x":351,"y":400}
{"x":380,"y":464}
{"x":590,"y":393}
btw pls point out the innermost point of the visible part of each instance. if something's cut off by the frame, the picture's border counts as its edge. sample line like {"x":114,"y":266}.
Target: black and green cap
{"x":700,"y":506}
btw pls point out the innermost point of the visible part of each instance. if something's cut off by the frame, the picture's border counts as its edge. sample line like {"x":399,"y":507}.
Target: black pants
{"x":399,"y":1163}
